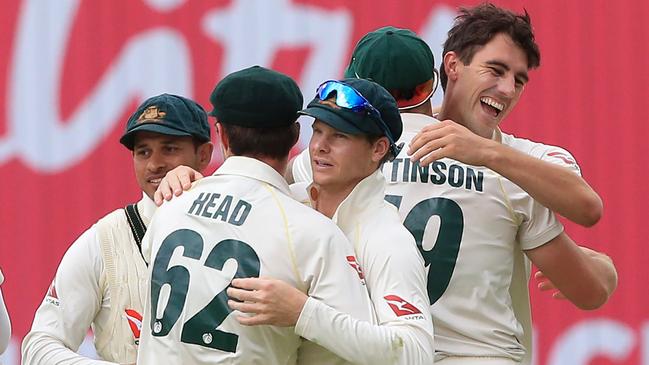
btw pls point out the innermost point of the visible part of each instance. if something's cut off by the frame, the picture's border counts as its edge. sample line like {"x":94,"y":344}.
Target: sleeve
{"x":539,"y":225}
{"x":396,"y":279}
{"x":302,"y":167}
{"x":559,"y":156}
{"x":5,"y":324}
{"x":70,"y":305}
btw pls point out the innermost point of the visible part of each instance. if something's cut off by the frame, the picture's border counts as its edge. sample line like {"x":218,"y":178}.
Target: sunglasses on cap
{"x":349,"y":98}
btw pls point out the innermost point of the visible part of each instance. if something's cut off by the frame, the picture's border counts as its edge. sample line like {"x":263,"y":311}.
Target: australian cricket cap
{"x":352,"y":122}
{"x":395,"y":58}
{"x":170,"y":115}
{"x":256,"y":97}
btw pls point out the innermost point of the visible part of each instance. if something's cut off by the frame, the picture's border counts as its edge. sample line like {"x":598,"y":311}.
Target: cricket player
{"x":356,"y":124}
{"x":475,"y":221}
{"x":5,"y":323}
{"x":242,"y":222}
{"x":101,"y":281}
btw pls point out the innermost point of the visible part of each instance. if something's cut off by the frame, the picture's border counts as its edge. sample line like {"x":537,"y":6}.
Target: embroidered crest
{"x":151,"y":113}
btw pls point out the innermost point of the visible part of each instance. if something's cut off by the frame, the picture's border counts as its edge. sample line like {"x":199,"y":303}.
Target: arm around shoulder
{"x":557,"y":187}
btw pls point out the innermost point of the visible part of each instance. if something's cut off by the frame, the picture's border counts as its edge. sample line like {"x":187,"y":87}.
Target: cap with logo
{"x":344,"y":119}
{"x":170,"y":115}
{"x":256,"y":97}
{"x":395,"y":58}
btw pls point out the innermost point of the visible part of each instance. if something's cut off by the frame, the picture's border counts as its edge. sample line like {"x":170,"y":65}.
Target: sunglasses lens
{"x":346,"y":97}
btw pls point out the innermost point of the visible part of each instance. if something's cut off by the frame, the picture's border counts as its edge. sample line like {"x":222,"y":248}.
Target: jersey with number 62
{"x":241,"y":222}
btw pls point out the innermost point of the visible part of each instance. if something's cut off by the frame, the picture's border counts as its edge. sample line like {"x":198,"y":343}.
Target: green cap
{"x":393,"y":57}
{"x":168,"y":114}
{"x":351,"y":122}
{"x":256,"y":97}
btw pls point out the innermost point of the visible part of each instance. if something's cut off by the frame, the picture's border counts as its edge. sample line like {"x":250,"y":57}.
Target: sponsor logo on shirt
{"x":354,"y":264}
{"x":563,"y":157}
{"x":135,"y":322}
{"x":400,"y":307}
{"x":52,"y":297}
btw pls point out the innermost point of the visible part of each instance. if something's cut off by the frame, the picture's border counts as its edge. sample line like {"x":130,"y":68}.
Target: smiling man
{"x":101,"y":281}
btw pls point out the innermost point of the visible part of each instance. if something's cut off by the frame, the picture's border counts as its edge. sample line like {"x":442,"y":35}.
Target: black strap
{"x":137,"y":225}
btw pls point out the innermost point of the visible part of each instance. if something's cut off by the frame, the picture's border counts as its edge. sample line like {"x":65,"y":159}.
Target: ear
{"x":223,"y":138}
{"x":380,"y":149}
{"x":205,"y":155}
{"x":451,"y":64}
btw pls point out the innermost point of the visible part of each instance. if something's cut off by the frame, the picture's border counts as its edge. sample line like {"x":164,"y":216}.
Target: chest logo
{"x":354,"y":264}
{"x":135,"y":322}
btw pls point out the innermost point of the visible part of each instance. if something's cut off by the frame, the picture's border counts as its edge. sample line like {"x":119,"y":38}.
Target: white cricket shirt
{"x":240,"y":222}
{"x":471,"y":226}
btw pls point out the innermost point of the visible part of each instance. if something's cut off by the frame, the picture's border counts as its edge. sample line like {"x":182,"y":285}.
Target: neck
{"x":278,"y":165}
{"x":327,"y":199}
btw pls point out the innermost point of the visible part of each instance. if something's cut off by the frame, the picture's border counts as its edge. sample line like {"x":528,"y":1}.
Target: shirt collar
{"x":253,"y":168}
{"x":365,"y":198}
{"x":414,"y":122}
{"x":146,"y":207}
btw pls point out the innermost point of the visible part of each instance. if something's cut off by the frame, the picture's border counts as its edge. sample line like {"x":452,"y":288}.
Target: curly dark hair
{"x":474,"y":27}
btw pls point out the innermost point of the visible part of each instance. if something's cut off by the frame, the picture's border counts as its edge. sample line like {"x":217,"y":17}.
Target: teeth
{"x":492,"y":102}
{"x":155,"y":181}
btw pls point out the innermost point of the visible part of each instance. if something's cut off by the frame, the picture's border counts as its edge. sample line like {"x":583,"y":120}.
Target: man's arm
{"x":608,"y":271}
{"x":585,"y":277}
{"x":63,"y":319}
{"x":554,"y":186}
{"x":404,"y":334}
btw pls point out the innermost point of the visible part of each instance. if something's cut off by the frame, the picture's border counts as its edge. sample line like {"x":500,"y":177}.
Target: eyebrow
{"x":521,"y":75}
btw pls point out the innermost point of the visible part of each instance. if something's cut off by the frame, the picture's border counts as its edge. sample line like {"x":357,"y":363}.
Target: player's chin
{"x":323,"y":178}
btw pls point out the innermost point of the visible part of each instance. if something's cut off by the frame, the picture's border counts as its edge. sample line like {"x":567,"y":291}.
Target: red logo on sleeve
{"x":52,"y":297}
{"x":354,"y":264}
{"x":400,"y":306}
{"x":563,"y":157}
{"x":135,"y":322}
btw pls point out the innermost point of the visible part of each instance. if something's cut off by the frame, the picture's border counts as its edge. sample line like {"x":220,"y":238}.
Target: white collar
{"x":253,"y":168}
{"x":146,"y":207}
{"x":365,"y":198}
{"x":414,"y":122}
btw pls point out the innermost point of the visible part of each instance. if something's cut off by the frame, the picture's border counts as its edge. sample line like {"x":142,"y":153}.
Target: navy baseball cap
{"x":347,"y":120}
{"x":170,"y":115}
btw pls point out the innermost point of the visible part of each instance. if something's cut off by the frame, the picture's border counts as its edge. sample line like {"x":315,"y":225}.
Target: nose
{"x":507,"y":86}
{"x":156,"y":162}
{"x":319,"y":144}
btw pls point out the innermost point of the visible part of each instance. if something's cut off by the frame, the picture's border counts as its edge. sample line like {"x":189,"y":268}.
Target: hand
{"x":544,"y":284}
{"x":269,"y":301}
{"x":452,"y":140}
{"x":175,"y":182}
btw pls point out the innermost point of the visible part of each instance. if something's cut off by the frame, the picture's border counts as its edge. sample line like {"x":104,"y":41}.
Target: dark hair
{"x":269,"y":142}
{"x":475,"y":27}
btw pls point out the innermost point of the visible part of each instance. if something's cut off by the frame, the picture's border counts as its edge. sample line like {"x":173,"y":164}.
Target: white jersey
{"x":396,"y":280}
{"x":240,"y":222}
{"x":80,"y":298}
{"x":471,"y":226}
